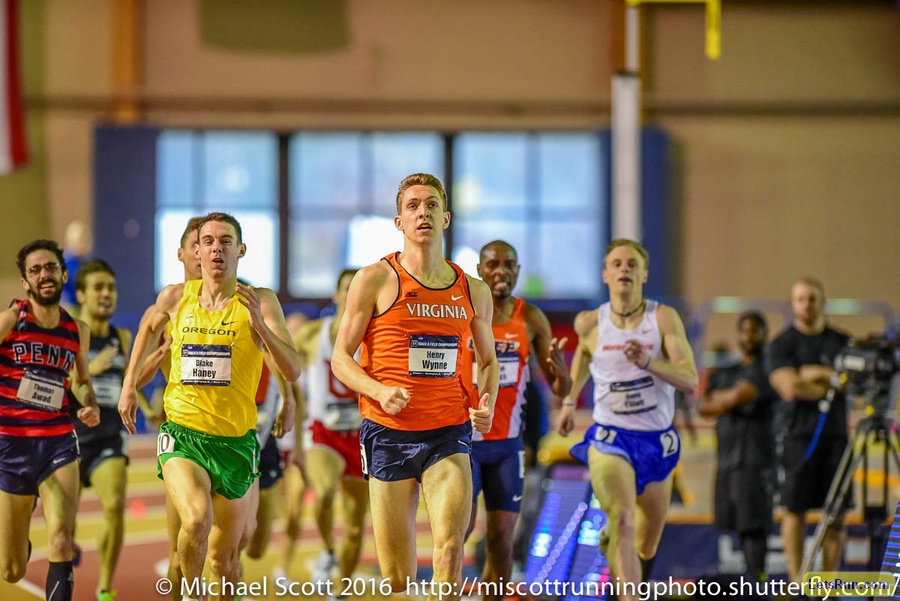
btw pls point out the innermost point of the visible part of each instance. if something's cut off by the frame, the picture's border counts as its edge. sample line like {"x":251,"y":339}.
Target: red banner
{"x":13,"y":142}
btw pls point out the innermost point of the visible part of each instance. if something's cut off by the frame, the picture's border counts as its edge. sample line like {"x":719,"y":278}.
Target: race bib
{"x":630,"y":397}
{"x":509,"y":369}
{"x":107,"y":391}
{"x":433,"y":356}
{"x":509,"y":366}
{"x":342,"y":416}
{"x":42,"y":390}
{"x":206,"y":364}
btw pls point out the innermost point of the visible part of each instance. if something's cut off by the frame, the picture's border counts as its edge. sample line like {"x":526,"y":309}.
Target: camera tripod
{"x":880,"y":428}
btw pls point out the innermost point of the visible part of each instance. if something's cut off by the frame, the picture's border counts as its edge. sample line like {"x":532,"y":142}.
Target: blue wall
{"x":657,"y":214}
{"x":124,"y":213}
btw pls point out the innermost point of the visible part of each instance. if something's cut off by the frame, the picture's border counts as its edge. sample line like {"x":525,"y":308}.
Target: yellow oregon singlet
{"x":215,"y":367}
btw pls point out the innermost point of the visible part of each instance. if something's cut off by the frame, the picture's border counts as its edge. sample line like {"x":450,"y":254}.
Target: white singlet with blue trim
{"x":625,"y":395}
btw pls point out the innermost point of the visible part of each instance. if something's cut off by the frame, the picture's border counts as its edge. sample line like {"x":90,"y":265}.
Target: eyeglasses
{"x":50,"y":268}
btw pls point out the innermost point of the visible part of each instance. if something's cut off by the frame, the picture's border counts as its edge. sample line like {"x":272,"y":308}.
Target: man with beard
{"x":41,"y":346}
{"x":498,"y":456}
{"x":799,"y":361}
{"x":740,"y":397}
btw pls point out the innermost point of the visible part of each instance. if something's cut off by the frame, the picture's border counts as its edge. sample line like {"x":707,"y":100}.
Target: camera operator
{"x":743,"y":402}
{"x":799,"y":362}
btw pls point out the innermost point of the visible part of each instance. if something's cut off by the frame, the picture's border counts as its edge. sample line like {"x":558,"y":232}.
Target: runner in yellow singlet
{"x":208,"y":447}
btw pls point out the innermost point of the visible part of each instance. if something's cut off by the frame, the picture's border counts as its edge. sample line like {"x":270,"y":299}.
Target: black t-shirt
{"x":107,"y":387}
{"x":745,"y":435}
{"x":794,"y":349}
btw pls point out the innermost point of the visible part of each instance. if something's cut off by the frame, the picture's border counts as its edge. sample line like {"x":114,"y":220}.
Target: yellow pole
{"x":713,"y":29}
{"x":127,"y":59}
{"x":713,"y":21}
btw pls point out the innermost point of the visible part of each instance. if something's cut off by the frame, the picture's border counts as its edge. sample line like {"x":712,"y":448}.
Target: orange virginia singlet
{"x":416,"y":344}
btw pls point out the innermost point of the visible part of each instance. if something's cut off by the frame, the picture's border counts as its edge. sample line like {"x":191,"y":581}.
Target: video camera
{"x":868,"y":367}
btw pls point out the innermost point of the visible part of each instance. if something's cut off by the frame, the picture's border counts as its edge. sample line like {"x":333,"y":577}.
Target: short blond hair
{"x":421,"y":179}
{"x":636,"y":246}
{"x":810,"y":281}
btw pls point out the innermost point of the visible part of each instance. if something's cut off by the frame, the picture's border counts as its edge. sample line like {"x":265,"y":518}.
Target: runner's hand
{"x":565,"y":423}
{"x":483,"y":416}
{"x":103,"y":360}
{"x":284,"y":421}
{"x":556,"y":359}
{"x":90,"y":416}
{"x":636,"y":353}
{"x":128,"y":406}
{"x":394,"y":400}
{"x":248,"y":297}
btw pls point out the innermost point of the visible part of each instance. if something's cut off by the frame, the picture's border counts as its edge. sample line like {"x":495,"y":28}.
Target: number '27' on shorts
{"x":652,"y":454}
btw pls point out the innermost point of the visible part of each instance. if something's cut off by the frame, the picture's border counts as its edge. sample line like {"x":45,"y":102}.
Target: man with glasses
{"x":41,"y":347}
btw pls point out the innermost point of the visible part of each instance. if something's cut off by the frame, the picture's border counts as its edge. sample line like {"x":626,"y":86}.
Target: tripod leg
{"x":893,"y":443}
{"x":834,"y":500}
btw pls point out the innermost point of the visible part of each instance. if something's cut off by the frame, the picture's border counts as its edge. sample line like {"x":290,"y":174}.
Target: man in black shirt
{"x":103,"y":453}
{"x":799,"y":364}
{"x":741,"y":398}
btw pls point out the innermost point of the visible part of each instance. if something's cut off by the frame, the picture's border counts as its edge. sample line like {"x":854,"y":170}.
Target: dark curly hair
{"x":34,"y":245}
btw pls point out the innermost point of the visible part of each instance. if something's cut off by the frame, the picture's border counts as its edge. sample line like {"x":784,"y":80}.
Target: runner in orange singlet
{"x":410,"y":312}
{"x":498,"y":457}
